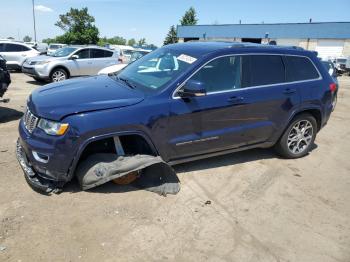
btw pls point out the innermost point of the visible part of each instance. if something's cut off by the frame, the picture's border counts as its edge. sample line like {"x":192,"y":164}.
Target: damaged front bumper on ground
{"x":154,"y":174}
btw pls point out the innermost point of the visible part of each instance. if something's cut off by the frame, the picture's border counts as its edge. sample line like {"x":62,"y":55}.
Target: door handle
{"x":235,"y":99}
{"x":289,"y":91}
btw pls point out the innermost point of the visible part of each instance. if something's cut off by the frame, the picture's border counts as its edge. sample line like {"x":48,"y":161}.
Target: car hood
{"x":57,"y":100}
{"x":44,"y":58}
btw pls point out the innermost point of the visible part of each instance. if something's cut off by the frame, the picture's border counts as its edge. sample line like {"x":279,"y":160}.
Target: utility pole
{"x":34,"y":22}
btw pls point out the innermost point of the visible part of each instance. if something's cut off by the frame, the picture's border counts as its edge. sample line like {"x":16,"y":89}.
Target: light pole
{"x":34,"y":22}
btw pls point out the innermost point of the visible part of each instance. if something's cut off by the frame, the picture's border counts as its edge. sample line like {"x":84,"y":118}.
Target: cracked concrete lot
{"x":248,"y":206}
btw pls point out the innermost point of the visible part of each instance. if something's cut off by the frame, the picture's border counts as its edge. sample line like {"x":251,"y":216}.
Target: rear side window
{"x":99,"y":53}
{"x":15,"y":48}
{"x":2,"y":47}
{"x":260,"y":70}
{"x":299,"y":68}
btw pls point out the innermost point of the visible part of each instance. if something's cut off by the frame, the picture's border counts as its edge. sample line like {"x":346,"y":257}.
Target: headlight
{"x":42,"y":62}
{"x":53,"y":128}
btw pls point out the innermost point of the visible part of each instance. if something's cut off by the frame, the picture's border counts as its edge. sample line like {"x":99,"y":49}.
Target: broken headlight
{"x":53,"y":128}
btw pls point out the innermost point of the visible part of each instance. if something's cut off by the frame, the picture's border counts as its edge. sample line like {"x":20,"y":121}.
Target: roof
{"x":324,"y":30}
{"x":200,"y":48}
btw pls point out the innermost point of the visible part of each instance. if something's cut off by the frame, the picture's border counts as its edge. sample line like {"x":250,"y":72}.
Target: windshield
{"x":55,"y":46}
{"x":127,"y":52}
{"x":65,"y":51}
{"x":341,"y":60}
{"x":137,"y":55}
{"x":154,"y":70}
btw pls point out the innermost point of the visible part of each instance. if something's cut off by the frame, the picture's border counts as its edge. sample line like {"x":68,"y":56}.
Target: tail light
{"x":332,"y":87}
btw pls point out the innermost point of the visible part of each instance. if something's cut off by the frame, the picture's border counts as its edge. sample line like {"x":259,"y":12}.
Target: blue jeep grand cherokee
{"x":181,"y":102}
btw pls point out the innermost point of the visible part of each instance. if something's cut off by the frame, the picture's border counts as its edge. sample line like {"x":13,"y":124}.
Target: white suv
{"x":16,"y":53}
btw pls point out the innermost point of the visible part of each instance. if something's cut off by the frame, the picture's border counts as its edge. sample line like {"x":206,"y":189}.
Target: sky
{"x":151,"y":19}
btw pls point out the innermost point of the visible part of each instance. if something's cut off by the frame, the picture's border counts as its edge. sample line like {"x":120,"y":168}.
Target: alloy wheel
{"x":300,"y":136}
{"x":58,"y":76}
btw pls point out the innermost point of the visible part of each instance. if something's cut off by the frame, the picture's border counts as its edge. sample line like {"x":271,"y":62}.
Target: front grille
{"x":30,"y":121}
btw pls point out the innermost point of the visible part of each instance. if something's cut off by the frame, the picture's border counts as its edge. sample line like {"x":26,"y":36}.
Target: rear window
{"x":260,"y":70}
{"x":299,"y":68}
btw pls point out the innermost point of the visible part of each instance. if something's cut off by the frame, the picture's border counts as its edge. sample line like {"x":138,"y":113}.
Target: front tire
{"x":38,"y":79}
{"x":58,"y":75}
{"x":298,"y":138}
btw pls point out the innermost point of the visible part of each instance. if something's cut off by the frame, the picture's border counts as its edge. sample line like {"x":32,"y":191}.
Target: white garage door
{"x":288,"y":42}
{"x":328,"y":49}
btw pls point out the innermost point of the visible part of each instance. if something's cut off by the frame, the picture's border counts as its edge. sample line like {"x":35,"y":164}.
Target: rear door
{"x":247,"y":100}
{"x":100,"y":59}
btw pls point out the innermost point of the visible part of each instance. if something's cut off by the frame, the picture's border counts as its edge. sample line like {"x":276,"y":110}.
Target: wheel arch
{"x":60,"y":67}
{"x":93,"y":139}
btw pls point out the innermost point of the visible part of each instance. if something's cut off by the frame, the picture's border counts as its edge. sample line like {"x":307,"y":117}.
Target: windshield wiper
{"x":127,"y":82}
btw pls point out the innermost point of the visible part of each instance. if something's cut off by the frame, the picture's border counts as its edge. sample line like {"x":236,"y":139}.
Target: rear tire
{"x":58,"y":74}
{"x":334,"y":101}
{"x":298,"y":138}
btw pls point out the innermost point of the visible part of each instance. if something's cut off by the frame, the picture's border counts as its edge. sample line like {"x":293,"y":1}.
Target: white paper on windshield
{"x":186,"y":58}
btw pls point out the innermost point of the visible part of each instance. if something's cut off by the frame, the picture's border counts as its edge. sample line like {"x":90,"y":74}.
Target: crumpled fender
{"x":155,"y":174}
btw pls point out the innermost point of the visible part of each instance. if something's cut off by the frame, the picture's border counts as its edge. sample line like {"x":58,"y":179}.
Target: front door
{"x":82,"y":65}
{"x":247,"y":98}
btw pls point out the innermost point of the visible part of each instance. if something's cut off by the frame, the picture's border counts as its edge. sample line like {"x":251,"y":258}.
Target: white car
{"x":16,"y":53}
{"x":41,"y":47}
{"x":135,"y":55}
{"x":53,"y":48}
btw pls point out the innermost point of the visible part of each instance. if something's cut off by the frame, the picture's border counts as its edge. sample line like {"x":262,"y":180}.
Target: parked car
{"x":340,"y":65}
{"x":333,"y":73}
{"x":135,"y":55}
{"x":201,"y":99}
{"x":5,"y":78}
{"x":53,"y":48}
{"x":124,"y":52}
{"x":40,"y":47}
{"x":16,"y":53}
{"x":68,"y":62}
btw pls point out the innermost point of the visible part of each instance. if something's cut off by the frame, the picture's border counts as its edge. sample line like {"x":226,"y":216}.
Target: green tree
{"x":171,"y":37}
{"x":132,"y":42}
{"x":27,"y":38}
{"x":190,"y":17}
{"x":79,"y":27}
{"x":141,"y":42}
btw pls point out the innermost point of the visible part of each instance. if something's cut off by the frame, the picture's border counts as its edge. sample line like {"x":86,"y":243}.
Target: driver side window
{"x":83,"y":54}
{"x":221,"y":74}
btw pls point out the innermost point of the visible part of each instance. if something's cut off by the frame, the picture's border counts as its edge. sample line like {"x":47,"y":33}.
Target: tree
{"x":189,"y":18}
{"x":132,"y":42}
{"x":27,"y":38}
{"x":141,"y":42}
{"x":78,"y":26}
{"x":116,"y":40}
{"x":171,"y":37}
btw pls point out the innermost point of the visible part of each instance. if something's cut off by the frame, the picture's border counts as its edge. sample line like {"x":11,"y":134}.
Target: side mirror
{"x":73,"y":57}
{"x":192,"y":88}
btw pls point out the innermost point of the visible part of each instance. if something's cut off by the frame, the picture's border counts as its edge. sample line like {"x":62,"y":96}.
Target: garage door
{"x":288,"y":42}
{"x":328,"y":49}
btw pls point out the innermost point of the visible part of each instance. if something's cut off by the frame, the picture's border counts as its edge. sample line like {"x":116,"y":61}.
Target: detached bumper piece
{"x":38,"y":183}
{"x":154,"y":174}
